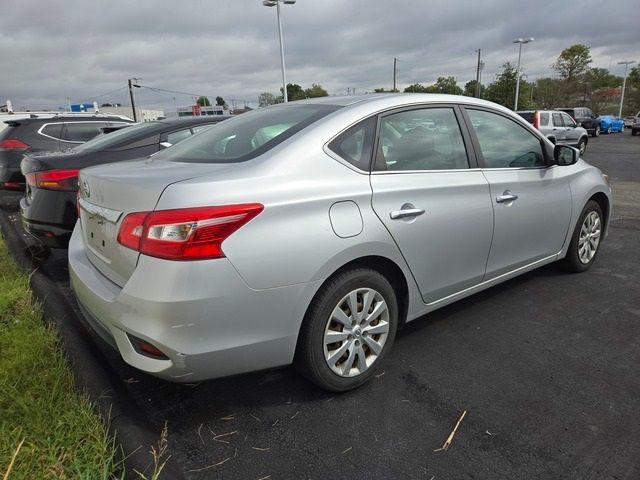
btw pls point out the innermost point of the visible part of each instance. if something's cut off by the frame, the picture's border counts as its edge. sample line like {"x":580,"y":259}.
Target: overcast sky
{"x":83,"y":49}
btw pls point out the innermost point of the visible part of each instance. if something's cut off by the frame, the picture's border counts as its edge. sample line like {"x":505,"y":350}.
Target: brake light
{"x":64,"y":180}
{"x":536,"y":120}
{"x":185,"y":233}
{"x":13,"y":144}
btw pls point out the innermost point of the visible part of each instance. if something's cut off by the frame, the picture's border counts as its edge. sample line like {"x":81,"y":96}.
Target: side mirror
{"x":564,"y":155}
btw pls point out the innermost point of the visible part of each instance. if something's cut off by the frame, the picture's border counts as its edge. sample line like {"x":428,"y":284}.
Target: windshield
{"x":115,"y":139}
{"x":246,"y":136}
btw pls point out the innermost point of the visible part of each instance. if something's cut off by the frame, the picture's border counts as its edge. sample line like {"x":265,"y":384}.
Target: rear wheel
{"x":585,"y":241}
{"x":348,"y":330}
{"x":596,"y":132}
{"x":609,"y":129}
{"x":582,"y":145}
{"x":634,"y":132}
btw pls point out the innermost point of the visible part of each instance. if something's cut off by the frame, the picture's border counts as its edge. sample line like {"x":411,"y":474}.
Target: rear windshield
{"x":246,"y":136}
{"x":107,"y":141}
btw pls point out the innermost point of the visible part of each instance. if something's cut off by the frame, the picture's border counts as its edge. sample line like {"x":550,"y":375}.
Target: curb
{"x":126,"y":423}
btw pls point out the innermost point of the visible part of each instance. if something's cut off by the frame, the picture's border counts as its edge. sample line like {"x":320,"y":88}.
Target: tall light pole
{"x":276,"y":3}
{"x":520,"y":41}
{"x":624,"y":84}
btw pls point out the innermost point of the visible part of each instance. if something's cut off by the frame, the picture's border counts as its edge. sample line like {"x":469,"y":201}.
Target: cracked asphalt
{"x":545,"y":365}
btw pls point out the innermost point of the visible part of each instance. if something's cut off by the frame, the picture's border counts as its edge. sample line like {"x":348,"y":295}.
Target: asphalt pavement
{"x":545,"y":366}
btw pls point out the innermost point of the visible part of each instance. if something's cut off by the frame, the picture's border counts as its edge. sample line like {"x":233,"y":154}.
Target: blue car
{"x":610,"y":124}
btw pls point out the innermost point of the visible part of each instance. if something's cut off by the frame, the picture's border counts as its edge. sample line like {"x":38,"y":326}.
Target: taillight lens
{"x":536,"y":120}
{"x":64,"y":180}
{"x":185,"y":233}
{"x":13,"y":144}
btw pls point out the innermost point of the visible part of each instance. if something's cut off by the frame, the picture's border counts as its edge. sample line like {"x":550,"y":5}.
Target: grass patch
{"x":47,"y":428}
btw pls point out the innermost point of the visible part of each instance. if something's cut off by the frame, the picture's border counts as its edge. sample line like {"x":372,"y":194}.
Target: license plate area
{"x":99,"y":227}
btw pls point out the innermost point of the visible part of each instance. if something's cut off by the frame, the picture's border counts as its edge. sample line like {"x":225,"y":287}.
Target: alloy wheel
{"x":589,"y":237}
{"x":356,"y":332}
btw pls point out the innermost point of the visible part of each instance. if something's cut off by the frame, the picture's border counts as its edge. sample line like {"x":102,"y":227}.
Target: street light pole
{"x":520,"y":41}
{"x":624,"y":84}
{"x":276,"y":3}
{"x":133,"y":106}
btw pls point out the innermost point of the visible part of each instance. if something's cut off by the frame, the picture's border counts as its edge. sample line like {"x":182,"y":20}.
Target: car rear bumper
{"x":200,"y":314}
{"x":49,"y":217}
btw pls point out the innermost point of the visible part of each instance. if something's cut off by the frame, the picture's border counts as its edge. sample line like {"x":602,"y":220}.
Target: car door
{"x":559,"y":130}
{"x":435,"y":205}
{"x":572,"y":134}
{"x":531,"y":201}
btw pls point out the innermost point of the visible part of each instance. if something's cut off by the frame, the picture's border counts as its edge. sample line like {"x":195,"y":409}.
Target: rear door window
{"x":421,"y":139}
{"x":557,"y":120}
{"x":544,"y":119}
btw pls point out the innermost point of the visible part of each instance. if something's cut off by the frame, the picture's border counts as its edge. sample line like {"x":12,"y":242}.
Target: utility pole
{"x":133,"y":106}
{"x":478,"y":76}
{"x":395,"y":64}
{"x":624,"y":84}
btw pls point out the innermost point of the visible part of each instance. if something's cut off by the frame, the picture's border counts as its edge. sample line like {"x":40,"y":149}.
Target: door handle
{"x":506,"y":197}
{"x":409,"y":212}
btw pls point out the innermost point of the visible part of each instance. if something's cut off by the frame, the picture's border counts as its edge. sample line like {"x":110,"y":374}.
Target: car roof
{"x":65,"y":118}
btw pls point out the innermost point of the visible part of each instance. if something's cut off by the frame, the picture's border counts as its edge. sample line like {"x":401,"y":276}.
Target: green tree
{"x":503,"y":89}
{"x":220,"y":102}
{"x":294,"y":92}
{"x":416,"y":88}
{"x":633,"y":79}
{"x":315,"y":91}
{"x":266,"y":98}
{"x":547,"y":93}
{"x":601,"y":78}
{"x":445,"y":85}
{"x":470,"y":89}
{"x":203,"y":101}
{"x":573,"y":62}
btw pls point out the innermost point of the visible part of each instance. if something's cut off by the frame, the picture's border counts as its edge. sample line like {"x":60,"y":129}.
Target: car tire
{"x":609,"y":129}
{"x":355,"y":354}
{"x":634,"y":132}
{"x":583,"y":249}
{"x":596,"y":132}
{"x":582,"y":146}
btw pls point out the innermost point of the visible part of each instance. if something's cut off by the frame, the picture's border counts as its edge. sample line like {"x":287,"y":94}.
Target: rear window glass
{"x":52,"y":130}
{"x":81,"y":132}
{"x":246,"y":136}
{"x":108,"y":141}
{"x":356,"y":143}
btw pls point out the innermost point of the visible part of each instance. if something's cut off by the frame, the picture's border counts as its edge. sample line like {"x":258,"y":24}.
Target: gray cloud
{"x":78,"y":49}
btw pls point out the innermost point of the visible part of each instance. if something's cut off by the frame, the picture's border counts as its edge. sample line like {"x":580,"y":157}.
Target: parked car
{"x":24,"y":136}
{"x":635,"y":128}
{"x":558,"y":127}
{"x":49,"y":207}
{"x":610,"y":124}
{"x":628,"y":121}
{"x":585,"y":118}
{"x":307,"y":232}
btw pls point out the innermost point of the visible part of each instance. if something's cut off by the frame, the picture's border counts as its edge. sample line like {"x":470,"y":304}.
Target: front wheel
{"x":609,"y":129}
{"x":585,"y":241}
{"x":348,"y":330}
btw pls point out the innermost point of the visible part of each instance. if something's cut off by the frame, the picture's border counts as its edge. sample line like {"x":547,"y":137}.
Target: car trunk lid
{"x":110,"y":192}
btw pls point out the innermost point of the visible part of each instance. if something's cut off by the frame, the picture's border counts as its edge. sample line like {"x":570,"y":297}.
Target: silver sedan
{"x":306,"y":233}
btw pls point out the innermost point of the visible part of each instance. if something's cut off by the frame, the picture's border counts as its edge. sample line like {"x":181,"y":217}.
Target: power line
{"x":103,"y":94}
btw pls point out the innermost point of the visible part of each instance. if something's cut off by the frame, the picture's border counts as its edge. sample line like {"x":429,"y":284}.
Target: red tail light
{"x":185,"y":233}
{"x":13,"y":144}
{"x":536,"y":120}
{"x":65,"y":180}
